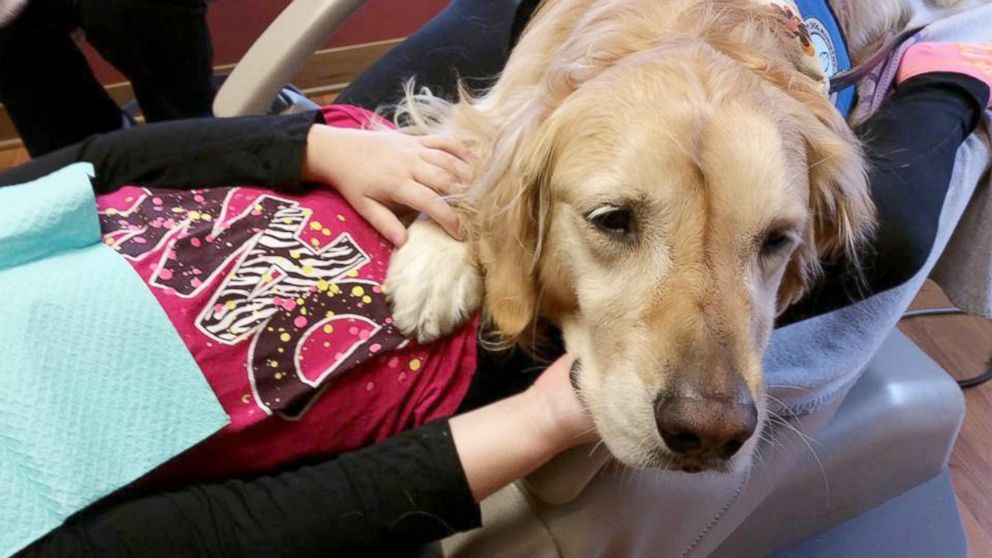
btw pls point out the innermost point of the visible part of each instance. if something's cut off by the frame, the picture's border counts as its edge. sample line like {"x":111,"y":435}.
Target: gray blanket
{"x":811,"y":362}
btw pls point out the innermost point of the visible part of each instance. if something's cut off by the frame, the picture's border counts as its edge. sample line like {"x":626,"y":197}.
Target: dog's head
{"x":661,"y":209}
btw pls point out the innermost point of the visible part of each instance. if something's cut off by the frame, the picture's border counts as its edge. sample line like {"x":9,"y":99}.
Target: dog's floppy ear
{"x":514,"y":210}
{"x":842,"y":215}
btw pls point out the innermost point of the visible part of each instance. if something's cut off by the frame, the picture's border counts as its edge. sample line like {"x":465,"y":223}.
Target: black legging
{"x":468,"y":40}
{"x":911,"y":144}
{"x":161,"y":46}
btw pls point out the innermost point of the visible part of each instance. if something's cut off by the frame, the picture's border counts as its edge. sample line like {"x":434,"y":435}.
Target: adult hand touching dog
{"x":381,"y":172}
{"x":509,"y":439}
{"x":566,"y":419}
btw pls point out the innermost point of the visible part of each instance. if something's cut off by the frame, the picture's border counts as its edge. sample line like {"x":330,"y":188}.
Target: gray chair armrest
{"x":279,"y":54}
{"x":563,"y":478}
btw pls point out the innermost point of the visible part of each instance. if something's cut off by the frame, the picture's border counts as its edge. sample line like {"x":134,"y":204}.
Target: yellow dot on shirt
{"x":353,"y":273}
{"x":367,"y":299}
{"x":300,"y":301}
{"x":357,"y":291}
{"x":278,"y":375}
{"x":274,"y":363}
{"x":326,"y":232}
{"x":266,"y":277}
{"x":322,"y":285}
{"x":194,"y":215}
{"x":315,"y":242}
{"x":340,"y":217}
{"x":205,"y":216}
{"x":110,"y":211}
{"x":335,"y":288}
{"x":287,"y":221}
{"x":230,"y":305}
{"x":328,"y":329}
{"x":415,"y":364}
{"x":307,"y":269}
{"x":178,"y":210}
{"x":295,"y":254}
{"x":330,"y":314}
{"x":303,"y":311}
{"x":315,"y":225}
{"x":285,"y":337}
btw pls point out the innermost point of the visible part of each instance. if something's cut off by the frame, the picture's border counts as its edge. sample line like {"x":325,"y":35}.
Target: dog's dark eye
{"x":617,"y":221}
{"x":775,"y":242}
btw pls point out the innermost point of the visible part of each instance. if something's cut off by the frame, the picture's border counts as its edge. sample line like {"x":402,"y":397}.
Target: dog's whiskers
{"x":777,"y":420}
{"x":595,"y":447}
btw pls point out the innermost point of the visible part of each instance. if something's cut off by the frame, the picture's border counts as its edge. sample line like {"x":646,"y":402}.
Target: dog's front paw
{"x":433,"y":283}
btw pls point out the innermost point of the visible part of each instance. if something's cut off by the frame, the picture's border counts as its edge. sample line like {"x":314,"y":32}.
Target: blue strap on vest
{"x":831,"y":46}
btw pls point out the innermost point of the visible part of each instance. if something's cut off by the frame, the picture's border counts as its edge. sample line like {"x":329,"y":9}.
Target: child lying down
{"x":275,"y":291}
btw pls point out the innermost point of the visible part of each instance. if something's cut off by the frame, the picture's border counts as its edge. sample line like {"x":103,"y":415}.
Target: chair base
{"x":922,"y":522}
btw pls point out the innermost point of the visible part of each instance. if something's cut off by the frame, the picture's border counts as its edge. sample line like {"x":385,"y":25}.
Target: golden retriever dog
{"x":658,"y":178}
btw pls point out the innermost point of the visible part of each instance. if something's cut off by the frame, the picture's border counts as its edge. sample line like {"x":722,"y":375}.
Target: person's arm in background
{"x":418,"y":487}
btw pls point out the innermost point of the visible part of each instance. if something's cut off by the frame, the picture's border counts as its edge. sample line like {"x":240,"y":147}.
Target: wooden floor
{"x":963,"y":346}
{"x":12,"y":158}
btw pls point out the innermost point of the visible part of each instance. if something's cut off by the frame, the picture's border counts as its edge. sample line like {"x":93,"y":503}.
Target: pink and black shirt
{"x":279,"y":298}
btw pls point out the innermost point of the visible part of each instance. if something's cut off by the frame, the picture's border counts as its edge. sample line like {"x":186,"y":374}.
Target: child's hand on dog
{"x":382,"y":172}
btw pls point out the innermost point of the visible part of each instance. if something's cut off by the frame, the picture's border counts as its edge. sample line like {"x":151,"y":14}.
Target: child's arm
{"x":380,"y":172}
{"x":184,"y":154}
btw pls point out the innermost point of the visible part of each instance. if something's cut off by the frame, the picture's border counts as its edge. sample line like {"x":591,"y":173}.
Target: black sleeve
{"x":399,"y":494}
{"x":911,"y":145}
{"x":203,"y":152}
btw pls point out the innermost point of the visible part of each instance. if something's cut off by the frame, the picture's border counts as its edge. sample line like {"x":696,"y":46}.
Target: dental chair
{"x":866,"y":475}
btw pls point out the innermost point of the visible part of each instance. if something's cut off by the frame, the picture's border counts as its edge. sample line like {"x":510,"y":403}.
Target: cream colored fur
{"x":692,"y":116}
{"x":436,"y":298}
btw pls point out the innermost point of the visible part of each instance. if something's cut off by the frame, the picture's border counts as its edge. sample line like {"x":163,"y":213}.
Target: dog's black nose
{"x":705,"y":428}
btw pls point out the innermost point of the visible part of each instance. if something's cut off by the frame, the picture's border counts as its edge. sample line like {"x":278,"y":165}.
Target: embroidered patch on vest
{"x":823,"y":44}
{"x":813,"y":25}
